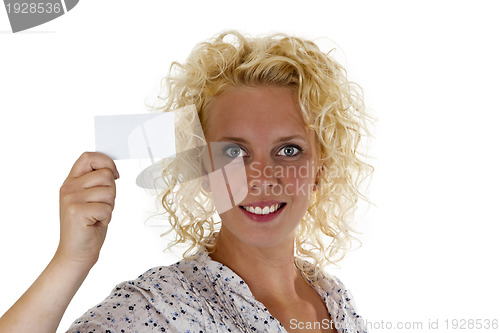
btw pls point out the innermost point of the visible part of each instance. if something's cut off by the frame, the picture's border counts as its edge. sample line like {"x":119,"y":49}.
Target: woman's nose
{"x":261,"y":174}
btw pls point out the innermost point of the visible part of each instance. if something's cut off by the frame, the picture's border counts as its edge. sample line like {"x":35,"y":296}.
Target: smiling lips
{"x":263,"y":211}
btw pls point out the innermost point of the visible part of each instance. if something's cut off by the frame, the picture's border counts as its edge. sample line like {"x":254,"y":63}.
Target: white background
{"x":430,"y":72}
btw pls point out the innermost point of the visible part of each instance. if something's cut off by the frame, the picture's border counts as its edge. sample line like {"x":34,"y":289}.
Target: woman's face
{"x":264,"y":126}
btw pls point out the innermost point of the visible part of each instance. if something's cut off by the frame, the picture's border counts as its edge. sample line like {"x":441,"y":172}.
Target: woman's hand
{"x":87,"y":199}
{"x":86,"y":202}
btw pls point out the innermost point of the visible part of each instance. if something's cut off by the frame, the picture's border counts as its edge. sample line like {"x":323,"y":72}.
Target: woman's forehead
{"x":260,"y":109}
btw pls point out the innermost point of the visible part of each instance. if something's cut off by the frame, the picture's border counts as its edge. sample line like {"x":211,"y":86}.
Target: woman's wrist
{"x":73,"y":265}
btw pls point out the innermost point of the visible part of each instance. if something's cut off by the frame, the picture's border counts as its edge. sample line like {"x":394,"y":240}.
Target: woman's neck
{"x":267,"y":271}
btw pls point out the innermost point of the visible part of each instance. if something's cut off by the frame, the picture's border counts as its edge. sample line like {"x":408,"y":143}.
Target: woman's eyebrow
{"x":290,"y":138}
{"x":280,"y":140}
{"x":233,"y":139}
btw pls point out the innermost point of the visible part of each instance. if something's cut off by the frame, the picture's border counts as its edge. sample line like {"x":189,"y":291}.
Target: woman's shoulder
{"x":338,"y":299}
{"x":179,"y":281}
{"x":187,"y":273}
{"x":171,"y":275}
{"x":161,"y":297}
{"x":342,"y":303}
{"x":189,"y":294}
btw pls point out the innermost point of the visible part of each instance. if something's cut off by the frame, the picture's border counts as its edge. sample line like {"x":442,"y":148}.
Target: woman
{"x":287,"y":110}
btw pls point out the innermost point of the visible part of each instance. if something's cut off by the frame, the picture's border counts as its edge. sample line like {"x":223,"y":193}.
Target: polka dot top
{"x":202,"y":295}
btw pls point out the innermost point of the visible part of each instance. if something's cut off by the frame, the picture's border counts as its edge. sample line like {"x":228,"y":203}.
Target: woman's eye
{"x":290,"y":151}
{"x":234,"y":151}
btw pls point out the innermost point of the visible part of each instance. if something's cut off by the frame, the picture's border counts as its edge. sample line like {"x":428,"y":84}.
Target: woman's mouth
{"x":263,"y":213}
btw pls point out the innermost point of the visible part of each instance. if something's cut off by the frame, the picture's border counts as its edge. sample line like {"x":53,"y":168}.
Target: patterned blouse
{"x":203,"y":295}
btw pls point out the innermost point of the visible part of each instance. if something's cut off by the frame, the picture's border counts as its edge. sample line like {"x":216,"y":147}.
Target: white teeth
{"x":262,"y":211}
{"x":273,"y":208}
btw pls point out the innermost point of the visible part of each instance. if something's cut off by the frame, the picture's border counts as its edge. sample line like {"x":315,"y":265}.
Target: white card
{"x":138,"y":136}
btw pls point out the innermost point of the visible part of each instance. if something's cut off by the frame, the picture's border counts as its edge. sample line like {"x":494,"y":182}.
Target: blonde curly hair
{"x":331,"y":105}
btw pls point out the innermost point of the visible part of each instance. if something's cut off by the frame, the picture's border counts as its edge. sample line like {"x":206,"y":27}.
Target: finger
{"x":98,"y":214}
{"x":92,"y":213}
{"x":90,"y":161}
{"x":100,"y":194}
{"x":101,"y":177}
{"x":97,"y":194}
